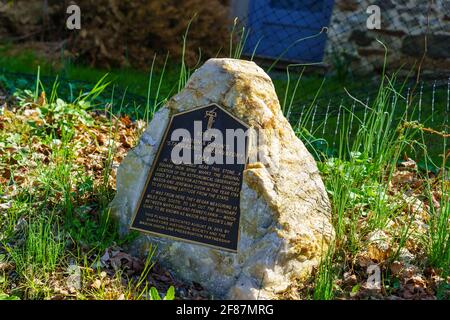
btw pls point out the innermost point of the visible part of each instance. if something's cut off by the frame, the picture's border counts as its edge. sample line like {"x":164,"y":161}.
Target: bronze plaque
{"x":196,"y":199}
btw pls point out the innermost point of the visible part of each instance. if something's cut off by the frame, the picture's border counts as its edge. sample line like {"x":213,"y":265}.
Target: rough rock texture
{"x":285,"y":212}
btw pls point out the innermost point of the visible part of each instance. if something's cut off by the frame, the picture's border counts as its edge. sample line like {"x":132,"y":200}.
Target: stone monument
{"x":266,"y":223}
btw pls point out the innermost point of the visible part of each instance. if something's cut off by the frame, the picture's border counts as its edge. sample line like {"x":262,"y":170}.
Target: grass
{"x":27,"y":61}
{"x":360,"y":178}
{"x":439,"y":248}
{"x":144,"y":90}
{"x":168,"y":76}
{"x":59,"y":157}
{"x":39,"y":256}
{"x":56,"y":164}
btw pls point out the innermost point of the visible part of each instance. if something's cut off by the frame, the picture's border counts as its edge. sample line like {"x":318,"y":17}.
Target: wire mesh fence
{"x":349,"y":44}
{"x":341,"y":36}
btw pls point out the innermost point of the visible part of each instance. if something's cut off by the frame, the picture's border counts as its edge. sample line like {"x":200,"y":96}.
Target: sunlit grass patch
{"x":387,"y":211}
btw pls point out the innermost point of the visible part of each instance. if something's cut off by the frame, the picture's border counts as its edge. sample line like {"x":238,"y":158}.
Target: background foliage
{"x":120,"y":33}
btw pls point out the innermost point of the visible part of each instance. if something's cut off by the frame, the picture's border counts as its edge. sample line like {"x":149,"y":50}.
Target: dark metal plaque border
{"x":150,"y":172}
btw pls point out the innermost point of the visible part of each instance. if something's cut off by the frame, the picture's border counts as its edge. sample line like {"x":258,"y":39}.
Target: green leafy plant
{"x":42,"y":250}
{"x":4,"y":296}
{"x":325,"y":276}
{"x":170,"y":294}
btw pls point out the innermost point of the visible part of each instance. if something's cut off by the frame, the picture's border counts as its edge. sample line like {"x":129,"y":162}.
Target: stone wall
{"x":403,"y":30}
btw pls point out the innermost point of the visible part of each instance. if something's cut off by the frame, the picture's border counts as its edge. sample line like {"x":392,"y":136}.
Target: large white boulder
{"x":285,"y":224}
